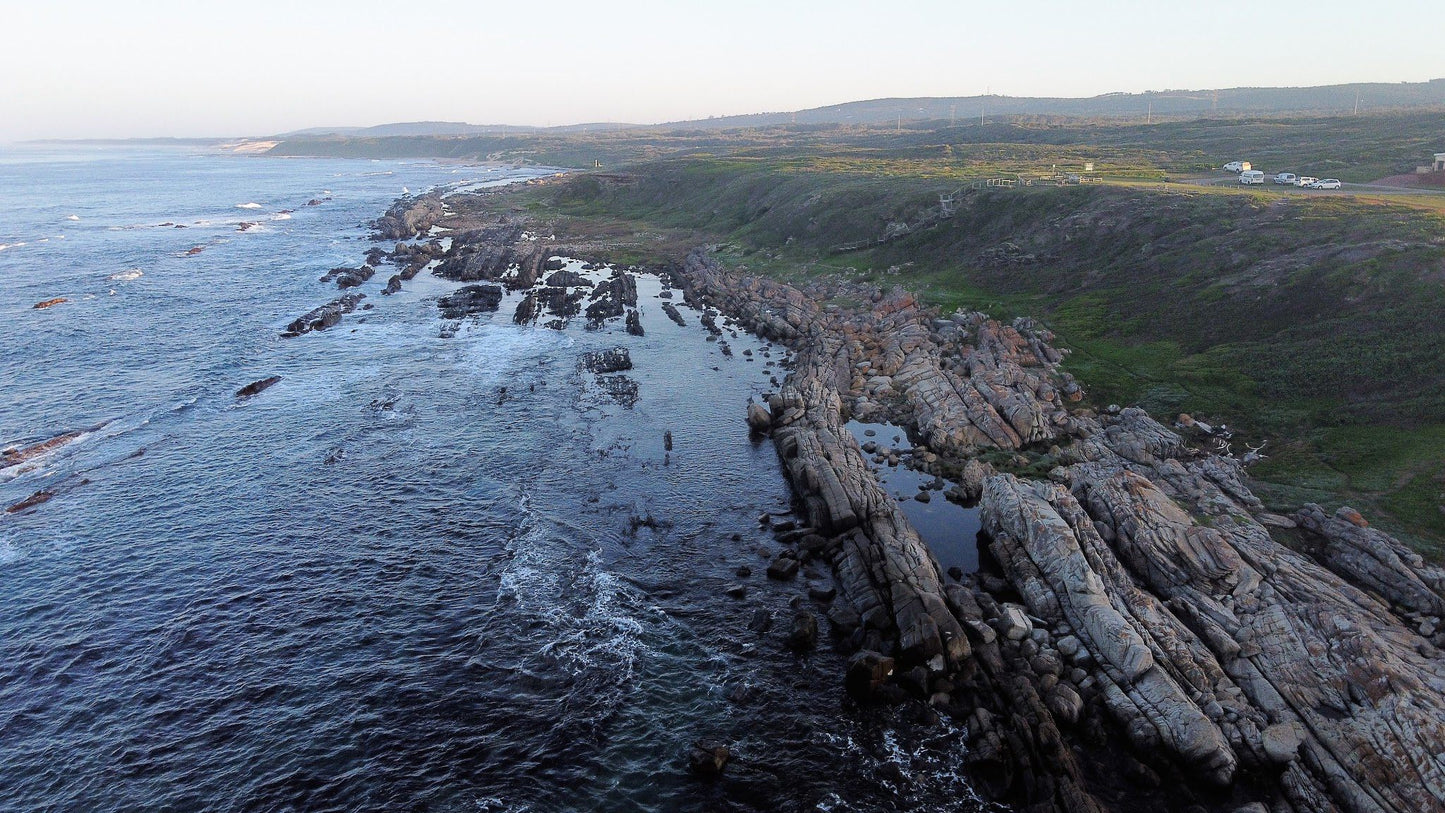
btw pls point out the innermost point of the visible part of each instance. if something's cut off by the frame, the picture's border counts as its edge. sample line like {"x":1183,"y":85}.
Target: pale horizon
{"x":129,"y":70}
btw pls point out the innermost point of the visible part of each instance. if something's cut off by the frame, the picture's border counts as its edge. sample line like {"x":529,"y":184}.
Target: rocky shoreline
{"x":1146,"y":635}
{"x":1148,"y":642}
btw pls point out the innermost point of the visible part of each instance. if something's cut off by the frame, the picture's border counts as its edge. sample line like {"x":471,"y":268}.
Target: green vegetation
{"x":1315,"y":322}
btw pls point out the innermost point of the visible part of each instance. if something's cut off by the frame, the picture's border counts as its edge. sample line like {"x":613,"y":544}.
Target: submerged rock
{"x":707,"y":758}
{"x":324,"y":316}
{"x":257,"y":386}
{"x":14,"y":456}
{"x":38,"y":498}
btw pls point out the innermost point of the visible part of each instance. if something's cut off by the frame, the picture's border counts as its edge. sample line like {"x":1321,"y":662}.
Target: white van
{"x":1285,"y":178}
{"x":1251,"y":176}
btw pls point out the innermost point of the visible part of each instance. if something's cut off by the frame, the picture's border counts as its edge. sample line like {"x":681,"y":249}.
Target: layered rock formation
{"x":1157,"y":619}
{"x":494,"y":254}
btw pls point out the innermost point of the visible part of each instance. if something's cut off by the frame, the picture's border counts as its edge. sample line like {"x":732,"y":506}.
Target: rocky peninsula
{"x":1146,"y":635}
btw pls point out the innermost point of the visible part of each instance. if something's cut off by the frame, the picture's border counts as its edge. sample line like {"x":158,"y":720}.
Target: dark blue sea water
{"x":385,"y":583}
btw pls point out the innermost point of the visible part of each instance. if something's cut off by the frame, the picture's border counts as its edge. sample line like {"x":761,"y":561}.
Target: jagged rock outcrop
{"x":494,"y":254}
{"x":612,"y":296}
{"x":324,"y":316}
{"x":608,"y":361}
{"x":887,"y":572}
{"x":1378,"y":563}
{"x":1217,"y":642}
{"x":409,"y":217}
{"x":1161,"y":623}
{"x":965,"y":383}
{"x":470,"y":299}
{"x":349,"y":277}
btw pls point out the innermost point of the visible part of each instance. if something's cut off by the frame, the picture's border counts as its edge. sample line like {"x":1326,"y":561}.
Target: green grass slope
{"x":1315,"y":322}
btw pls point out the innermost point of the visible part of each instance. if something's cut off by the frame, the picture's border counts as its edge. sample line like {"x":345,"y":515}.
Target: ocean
{"x":423,"y":571}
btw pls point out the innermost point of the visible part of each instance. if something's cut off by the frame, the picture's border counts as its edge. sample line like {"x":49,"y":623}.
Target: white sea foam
{"x":127,"y":276}
{"x":248,"y":206}
{"x":281,"y":216}
{"x":73,"y":217}
{"x":8,"y":551}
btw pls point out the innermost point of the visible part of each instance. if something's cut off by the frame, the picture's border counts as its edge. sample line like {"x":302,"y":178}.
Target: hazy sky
{"x":118,"y":68}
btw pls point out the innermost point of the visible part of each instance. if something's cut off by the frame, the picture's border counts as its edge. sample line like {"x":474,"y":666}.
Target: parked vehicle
{"x":1305,"y":181}
{"x":1251,"y":176}
{"x":1284,"y":178}
{"x":1327,"y":183}
{"x":1237,"y":166}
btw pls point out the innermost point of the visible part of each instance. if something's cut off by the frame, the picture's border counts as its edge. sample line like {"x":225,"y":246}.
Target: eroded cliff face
{"x":1144,"y":609}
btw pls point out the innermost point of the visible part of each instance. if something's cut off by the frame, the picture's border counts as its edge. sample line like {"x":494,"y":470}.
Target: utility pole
{"x":1357,"y":103}
{"x":1149,"y":117}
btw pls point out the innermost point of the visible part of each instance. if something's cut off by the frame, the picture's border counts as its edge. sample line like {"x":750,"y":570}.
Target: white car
{"x":1251,"y":176}
{"x":1234,"y":166}
{"x":1285,"y":178}
{"x":1327,"y":183}
{"x":1305,"y":181}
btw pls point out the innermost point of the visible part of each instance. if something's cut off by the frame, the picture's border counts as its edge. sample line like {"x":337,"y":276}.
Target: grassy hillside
{"x":1353,"y":148}
{"x":1315,"y":322}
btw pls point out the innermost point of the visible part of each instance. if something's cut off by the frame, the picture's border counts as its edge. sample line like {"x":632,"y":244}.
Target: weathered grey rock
{"x":1375,"y":561}
{"x":1014,"y":623}
{"x":409,"y":217}
{"x":1231,"y":635}
{"x":1282,"y":741}
{"x":758,"y":418}
{"x":1064,"y":703}
{"x":349,"y":277}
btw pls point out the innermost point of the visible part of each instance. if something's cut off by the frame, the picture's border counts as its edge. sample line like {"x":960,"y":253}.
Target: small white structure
{"x":1440,"y":162}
